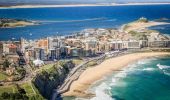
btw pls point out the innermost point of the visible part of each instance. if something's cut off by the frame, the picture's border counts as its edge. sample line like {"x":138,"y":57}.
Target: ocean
{"x":68,"y":20}
{"x":146,"y":79}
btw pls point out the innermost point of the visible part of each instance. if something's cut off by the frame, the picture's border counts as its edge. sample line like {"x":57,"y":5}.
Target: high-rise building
{"x":42,"y":54}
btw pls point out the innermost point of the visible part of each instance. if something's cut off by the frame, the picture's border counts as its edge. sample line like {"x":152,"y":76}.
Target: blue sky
{"x":77,"y":1}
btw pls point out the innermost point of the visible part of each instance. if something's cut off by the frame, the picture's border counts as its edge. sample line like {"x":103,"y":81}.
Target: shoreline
{"x":138,"y":26}
{"x":79,"y":87}
{"x":79,"y":5}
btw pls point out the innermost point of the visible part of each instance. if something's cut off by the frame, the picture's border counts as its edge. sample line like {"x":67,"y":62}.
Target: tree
{"x":5,"y":95}
{"x":14,"y":96}
{"x":36,"y":97}
{"x":6,"y":64}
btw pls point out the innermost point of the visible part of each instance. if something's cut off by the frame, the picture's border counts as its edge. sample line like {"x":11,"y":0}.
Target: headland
{"x":12,"y":23}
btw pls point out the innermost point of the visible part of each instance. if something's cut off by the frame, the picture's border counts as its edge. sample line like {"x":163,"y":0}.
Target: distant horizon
{"x":65,"y":2}
{"x":72,"y":3}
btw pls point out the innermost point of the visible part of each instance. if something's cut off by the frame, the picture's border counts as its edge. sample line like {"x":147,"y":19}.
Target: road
{"x":77,"y":71}
{"x":74,"y":75}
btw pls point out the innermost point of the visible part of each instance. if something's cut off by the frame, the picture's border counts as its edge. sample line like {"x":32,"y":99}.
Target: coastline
{"x":19,"y":24}
{"x":93,"y":74}
{"x":79,"y":5}
{"x":138,"y":26}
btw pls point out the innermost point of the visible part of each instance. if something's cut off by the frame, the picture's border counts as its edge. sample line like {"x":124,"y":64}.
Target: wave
{"x":148,"y":69}
{"x":146,"y":61}
{"x":142,"y":62}
{"x":111,"y":20}
{"x":101,"y":92}
{"x":92,"y":19}
{"x":162,"y":66}
{"x":121,"y":75}
{"x":166,"y":73}
{"x":113,"y":83}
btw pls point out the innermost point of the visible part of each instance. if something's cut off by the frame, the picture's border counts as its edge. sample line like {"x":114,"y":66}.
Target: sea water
{"x":147,"y":79}
{"x":68,"y":20}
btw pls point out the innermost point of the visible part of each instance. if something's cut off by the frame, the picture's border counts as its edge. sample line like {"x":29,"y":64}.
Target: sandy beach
{"x":91,"y":75}
{"x":80,"y":5}
{"x":139,"y":25}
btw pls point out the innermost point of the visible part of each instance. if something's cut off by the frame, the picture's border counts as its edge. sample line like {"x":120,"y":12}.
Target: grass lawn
{"x":28,"y":88}
{"x":92,"y":63}
{"x":77,"y":61}
{"x":9,"y":89}
{"x":3,"y":76}
{"x":13,"y":89}
{"x":47,"y":68}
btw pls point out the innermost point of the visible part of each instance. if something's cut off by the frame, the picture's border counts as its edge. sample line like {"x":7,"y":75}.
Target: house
{"x":12,"y":49}
{"x":10,"y":70}
{"x":9,"y":48}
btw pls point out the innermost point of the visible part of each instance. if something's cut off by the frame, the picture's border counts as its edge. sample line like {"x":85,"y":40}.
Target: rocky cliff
{"x":46,"y":81}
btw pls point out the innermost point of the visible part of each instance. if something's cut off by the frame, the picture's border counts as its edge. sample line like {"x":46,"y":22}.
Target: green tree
{"x":6,"y":64}
{"x":5,"y":95}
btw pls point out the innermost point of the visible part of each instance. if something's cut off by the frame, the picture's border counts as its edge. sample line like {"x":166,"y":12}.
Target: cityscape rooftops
{"x":12,"y":46}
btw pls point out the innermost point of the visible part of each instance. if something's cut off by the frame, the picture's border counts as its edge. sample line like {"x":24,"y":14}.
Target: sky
{"x":77,"y":1}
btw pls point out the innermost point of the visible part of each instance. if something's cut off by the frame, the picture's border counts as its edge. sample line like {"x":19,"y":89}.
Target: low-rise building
{"x":144,"y":43}
{"x":118,"y":45}
{"x":158,"y":44}
{"x":39,"y":53}
{"x":64,"y":51}
{"x":103,"y":47}
{"x":55,"y":42}
{"x":134,"y":44}
{"x":9,"y":48}
{"x":42,"y":55}
{"x":53,"y":54}
{"x":43,"y":44}
{"x":90,"y":46}
{"x":76,"y":52}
